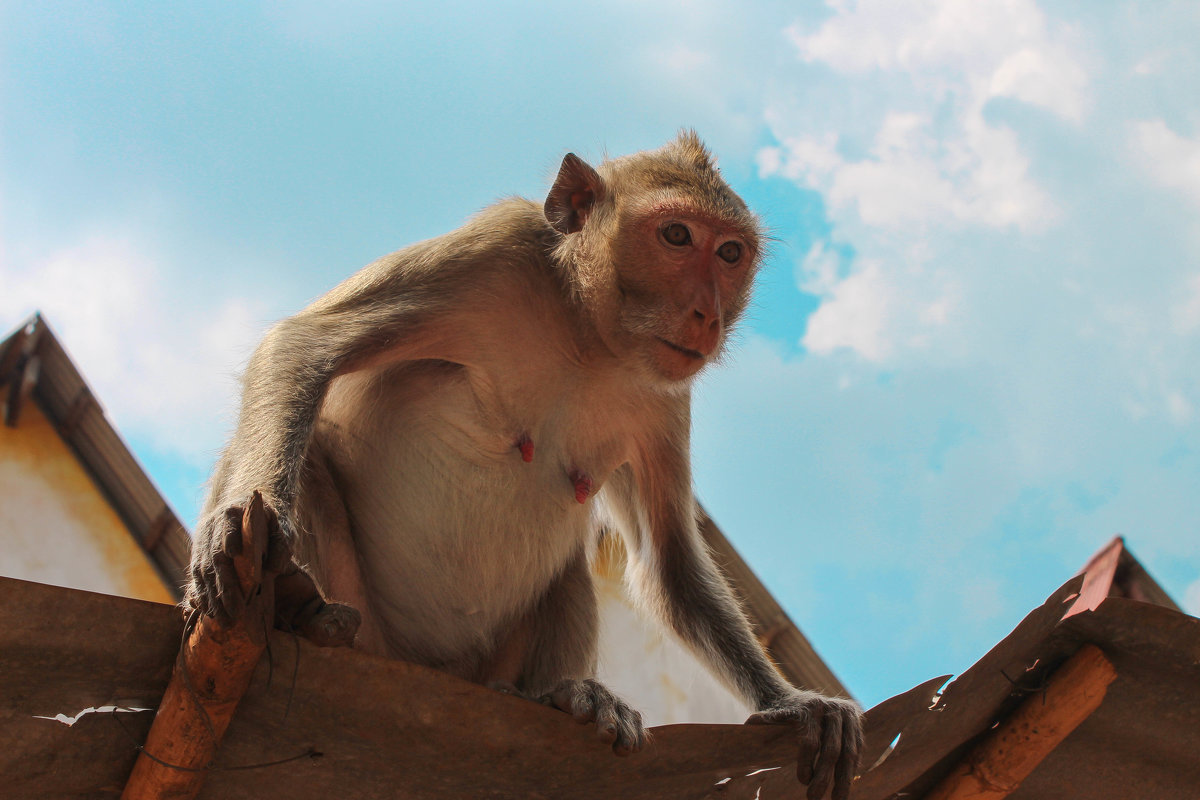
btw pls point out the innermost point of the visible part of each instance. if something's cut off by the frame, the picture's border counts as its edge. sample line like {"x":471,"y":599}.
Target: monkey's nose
{"x":704,"y":330}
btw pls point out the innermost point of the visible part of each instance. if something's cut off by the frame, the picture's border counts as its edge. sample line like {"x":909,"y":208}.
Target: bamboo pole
{"x":996,"y":767}
{"x":213,"y":671}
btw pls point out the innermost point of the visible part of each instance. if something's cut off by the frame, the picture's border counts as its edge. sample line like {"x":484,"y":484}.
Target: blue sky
{"x":975,"y":352}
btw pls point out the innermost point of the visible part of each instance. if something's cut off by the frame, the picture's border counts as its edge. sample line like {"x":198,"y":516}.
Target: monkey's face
{"x":682,"y":277}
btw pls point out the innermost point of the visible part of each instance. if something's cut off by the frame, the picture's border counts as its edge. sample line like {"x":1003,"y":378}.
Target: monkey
{"x":443,"y":435}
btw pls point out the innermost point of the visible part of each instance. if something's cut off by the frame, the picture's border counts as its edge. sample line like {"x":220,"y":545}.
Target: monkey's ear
{"x":576,"y":190}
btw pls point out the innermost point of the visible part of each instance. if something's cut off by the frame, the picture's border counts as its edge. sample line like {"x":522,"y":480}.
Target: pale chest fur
{"x":470,"y":488}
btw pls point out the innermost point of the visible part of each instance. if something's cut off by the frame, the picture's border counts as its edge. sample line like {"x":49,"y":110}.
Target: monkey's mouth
{"x":694,"y":354}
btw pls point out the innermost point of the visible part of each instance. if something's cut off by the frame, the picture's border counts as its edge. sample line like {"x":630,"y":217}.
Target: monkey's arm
{"x":670,"y":565}
{"x":395,"y":310}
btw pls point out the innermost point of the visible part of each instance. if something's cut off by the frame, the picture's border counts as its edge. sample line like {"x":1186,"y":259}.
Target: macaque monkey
{"x":443,"y":435}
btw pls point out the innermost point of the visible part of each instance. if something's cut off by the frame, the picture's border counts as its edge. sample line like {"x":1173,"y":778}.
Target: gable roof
{"x":34,"y":367}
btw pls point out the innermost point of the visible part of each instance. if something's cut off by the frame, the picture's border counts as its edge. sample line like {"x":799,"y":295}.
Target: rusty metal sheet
{"x":1144,"y":740}
{"x":934,"y":736}
{"x":381,"y":728}
{"x":387,"y":729}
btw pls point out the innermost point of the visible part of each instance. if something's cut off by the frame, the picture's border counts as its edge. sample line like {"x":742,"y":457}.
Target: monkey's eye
{"x":677,"y":234}
{"x":730,"y":252}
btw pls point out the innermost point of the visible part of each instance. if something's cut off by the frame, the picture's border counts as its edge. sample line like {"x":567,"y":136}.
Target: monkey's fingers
{"x":572,"y":697}
{"x":633,"y":733}
{"x":279,"y":551}
{"x":617,"y":724}
{"x":231,"y":531}
{"x":827,"y":756}
{"x":808,"y":731}
{"x":805,"y":720}
{"x":847,"y":765}
{"x":229,"y":603}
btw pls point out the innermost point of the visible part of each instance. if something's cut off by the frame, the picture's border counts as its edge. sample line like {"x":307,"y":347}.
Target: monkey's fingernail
{"x":525,"y":445}
{"x":583,"y":486}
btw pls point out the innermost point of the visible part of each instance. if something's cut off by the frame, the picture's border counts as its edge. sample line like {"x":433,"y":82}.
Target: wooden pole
{"x":213,"y":671}
{"x":996,"y":767}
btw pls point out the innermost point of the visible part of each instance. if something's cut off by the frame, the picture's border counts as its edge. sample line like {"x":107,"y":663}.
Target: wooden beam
{"x":21,"y":388}
{"x":996,"y":767}
{"x":157,"y":529}
{"x":79,"y":406}
{"x":213,"y":671}
{"x":20,"y":368}
{"x":15,"y":350}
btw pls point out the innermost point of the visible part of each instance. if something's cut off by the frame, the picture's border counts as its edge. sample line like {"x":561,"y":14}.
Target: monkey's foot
{"x":299,"y":607}
{"x":589,"y":701}
{"x":328,"y":624}
{"x":831,"y":738}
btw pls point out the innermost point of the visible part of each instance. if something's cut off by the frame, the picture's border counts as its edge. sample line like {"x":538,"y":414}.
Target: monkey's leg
{"x":328,"y":594}
{"x":562,"y":631}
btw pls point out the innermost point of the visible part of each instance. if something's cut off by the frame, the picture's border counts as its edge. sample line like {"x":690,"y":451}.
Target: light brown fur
{"x":385,"y":425}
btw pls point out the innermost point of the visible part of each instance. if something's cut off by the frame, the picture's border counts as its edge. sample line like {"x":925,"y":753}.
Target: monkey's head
{"x":659,"y":250}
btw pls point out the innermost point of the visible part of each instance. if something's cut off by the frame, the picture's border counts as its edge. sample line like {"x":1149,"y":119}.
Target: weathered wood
{"x":212,"y":673}
{"x":998,"y":764}
{"x":20,"y":369}
{"x":387,"y":729}
{"x":158,"y":529}
{"x":319,"y":722}
{"x":84,"y":401}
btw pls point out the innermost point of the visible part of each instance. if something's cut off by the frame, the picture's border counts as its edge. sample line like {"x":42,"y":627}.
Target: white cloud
{"x":909,"y":156}
{"x":163,"y":368}
{"x":681,"y":59}
{"x":1179,"y":408}
{"x":1185,"y":316}
{"x":854,"y":317}
{"x":1152,"y":64}
{"x":820,"y":270}
{"x":987,"y":48}
{"x":935,"y":159}
{"x":913,"y":178}
{"x":1191,"y":599}
{"x":806,"y":160}
{"x":1047,"y":78}
{"x":873,"y":312}
{"x":1171,"y":160}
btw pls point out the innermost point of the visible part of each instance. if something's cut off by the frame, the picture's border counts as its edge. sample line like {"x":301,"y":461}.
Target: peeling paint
{"x":71,"y":720}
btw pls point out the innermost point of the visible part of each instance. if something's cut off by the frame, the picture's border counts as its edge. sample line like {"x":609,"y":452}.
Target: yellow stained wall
{"x":649,"y":666}
{"x":55,"y":525}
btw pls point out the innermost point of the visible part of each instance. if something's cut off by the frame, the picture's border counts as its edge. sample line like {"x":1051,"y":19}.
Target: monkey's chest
{"x":461,"y":500}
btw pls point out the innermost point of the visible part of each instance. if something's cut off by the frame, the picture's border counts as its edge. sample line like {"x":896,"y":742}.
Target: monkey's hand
{"x":589,"y":701}
{"x":831,"y":738}
{"x":299,"y":607}
{"x":214,"y":587}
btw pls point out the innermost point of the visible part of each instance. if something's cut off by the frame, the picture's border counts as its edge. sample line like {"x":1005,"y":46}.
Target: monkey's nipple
{"x":583,"y":486}
{"x":525,"y":445}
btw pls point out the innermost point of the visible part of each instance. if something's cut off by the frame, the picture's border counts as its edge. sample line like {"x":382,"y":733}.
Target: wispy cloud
{"x":1003,"y":364}
{"x":980,"y":51}
{"x":1170,"y":159}
{"x":155,"y":359}
{"x":1191,"y":599}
